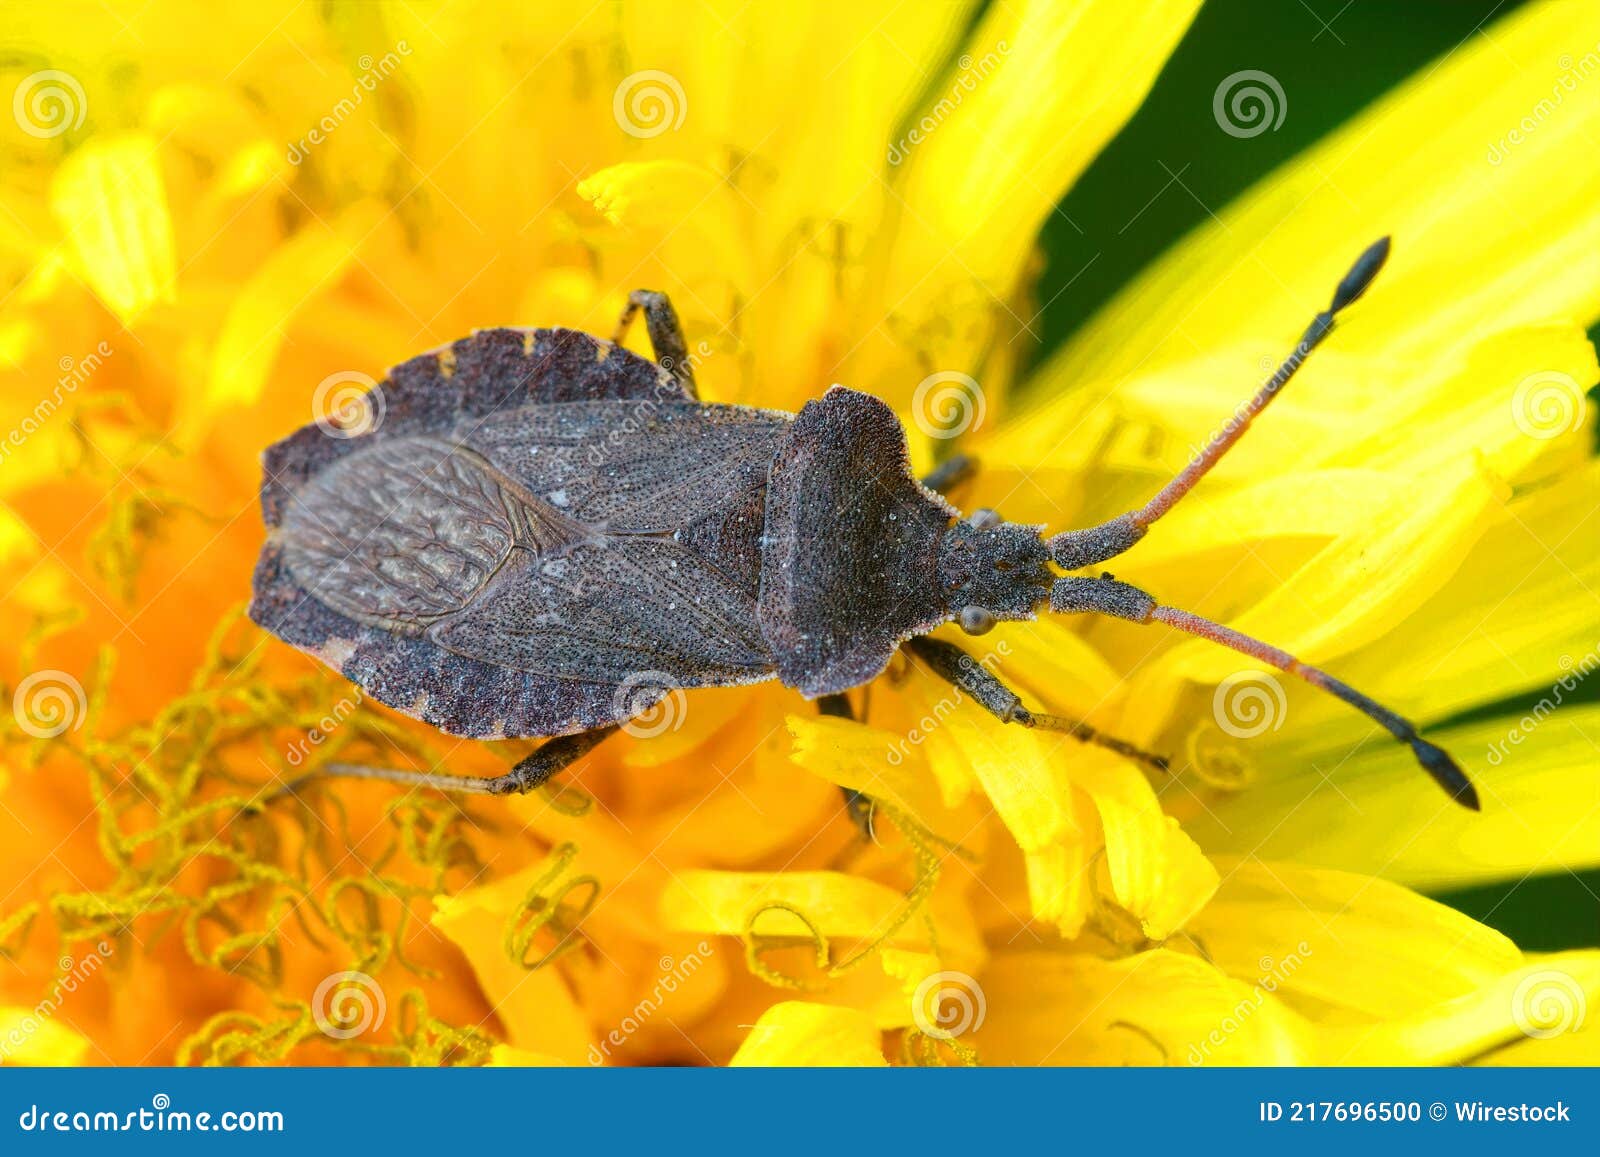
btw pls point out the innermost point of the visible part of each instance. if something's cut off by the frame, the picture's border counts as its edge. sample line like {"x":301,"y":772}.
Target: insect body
{"x":546,"y":534}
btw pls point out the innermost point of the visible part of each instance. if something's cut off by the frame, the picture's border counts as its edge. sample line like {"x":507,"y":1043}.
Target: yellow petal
{"x":537,"y":1008}
{"x":1040,"y":89}
{"x":1158,"y":872}
{"x":109,"y":199}
{"x":507,"y":1057}
{"x":865,"y":759}
{"x":305,"y":266}
{"x":27,"y":1038}
{"x":1337,"y":943}
{"x":1541,"y":805}
{"x":1422,"y":165}
{"x":836,"y":905}
{"x":1155,"y":1008}
{"x":1546,"y":999}
{"x":796,"y":1033}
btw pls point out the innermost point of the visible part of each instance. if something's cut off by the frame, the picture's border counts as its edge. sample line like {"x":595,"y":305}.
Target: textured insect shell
{"x":851,"y":559}
{"x":479,"y":384}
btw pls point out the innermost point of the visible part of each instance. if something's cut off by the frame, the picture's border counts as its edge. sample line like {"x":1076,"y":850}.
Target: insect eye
{"x":976,"y":620}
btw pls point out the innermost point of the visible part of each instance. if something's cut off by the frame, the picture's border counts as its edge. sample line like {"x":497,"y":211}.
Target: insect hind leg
{"x":858,"y":805}
{"x":950,"y":473}
{"x":528,"y":774}
{"x":666,"y":334}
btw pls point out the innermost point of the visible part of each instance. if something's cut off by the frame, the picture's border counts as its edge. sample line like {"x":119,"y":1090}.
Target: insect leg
{"x":525,"y":776}
{"x":666,"y":335}
{"x":857,"y":804}
{"x":950,"y":473}
{"x":1078,"y":548}
{"x":1106,"y":596}
{"x":954,"y":665}
{"x":556,"y":755}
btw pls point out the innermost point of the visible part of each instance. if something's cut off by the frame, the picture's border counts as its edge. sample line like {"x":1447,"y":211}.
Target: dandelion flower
{"x":206,"y":245}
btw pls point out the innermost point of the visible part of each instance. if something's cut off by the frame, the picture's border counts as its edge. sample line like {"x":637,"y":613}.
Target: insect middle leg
{"x":954,"y":665}
{"x":666,"y":334}
{"x":857,"y":804}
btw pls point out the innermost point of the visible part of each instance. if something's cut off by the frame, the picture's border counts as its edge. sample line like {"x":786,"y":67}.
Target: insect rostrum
{"x":543,"y":518}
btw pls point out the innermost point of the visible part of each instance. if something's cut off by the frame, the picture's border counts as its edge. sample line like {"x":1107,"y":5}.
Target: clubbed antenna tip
{"x":1361,"y":274}
{"x":1446,"y":773}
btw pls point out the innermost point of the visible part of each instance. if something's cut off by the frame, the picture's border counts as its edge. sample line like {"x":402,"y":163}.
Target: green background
{"x":1332,"y":59}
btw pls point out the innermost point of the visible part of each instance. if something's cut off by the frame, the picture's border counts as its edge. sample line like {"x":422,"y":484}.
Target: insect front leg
{"x":857,"y":804}
{"x":666,"y":334}
{"x":954,"y":665}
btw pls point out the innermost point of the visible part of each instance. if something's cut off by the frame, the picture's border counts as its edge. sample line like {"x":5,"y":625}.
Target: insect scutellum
{"x":1013,"y":558}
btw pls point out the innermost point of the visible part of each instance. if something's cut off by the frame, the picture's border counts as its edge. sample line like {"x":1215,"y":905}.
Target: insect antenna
{"x":1107,"y":596}
{"x":1077,"y":548}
